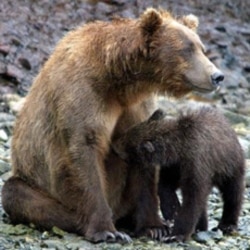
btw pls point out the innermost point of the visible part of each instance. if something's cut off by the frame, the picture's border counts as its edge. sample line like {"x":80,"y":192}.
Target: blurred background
{"x":29,"y":30}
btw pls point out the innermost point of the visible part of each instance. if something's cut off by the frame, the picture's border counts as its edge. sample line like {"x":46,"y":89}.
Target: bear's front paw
{"x":173,"y":238}
{"x":110,"y":237}
{"x":155,"y":233}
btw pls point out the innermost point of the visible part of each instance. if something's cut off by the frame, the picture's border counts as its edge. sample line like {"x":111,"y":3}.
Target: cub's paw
{"x":227,"y":229}
{"x":110,"y":237}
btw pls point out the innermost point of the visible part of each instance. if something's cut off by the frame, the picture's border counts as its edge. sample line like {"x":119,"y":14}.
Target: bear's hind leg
{"x":25,"y":204}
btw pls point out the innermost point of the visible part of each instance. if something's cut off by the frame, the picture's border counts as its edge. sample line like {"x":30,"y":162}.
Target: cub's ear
{"x":159,"y":114}
{"x":148,"y":146}
{"x":191,"y":21}
{"x":118,"y":149}
{"x":150,"y":21}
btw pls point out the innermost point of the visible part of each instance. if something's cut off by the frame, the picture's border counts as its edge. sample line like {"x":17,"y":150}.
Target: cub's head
{"x":135,"y":146}
{"x":176,"y":52}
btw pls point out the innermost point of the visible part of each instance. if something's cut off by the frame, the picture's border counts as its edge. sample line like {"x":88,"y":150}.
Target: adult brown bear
{"x":99,"y":81}
{"x":196,"y":151}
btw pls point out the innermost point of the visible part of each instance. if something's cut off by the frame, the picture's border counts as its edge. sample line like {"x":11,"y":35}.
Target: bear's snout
{"x":217,"y":77}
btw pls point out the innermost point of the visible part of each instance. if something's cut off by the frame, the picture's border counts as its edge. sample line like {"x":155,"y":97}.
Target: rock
{"x":25,"y":63}
{"x":84,"y":245}
{"x":4,"y":49}
{"x":16,"y":106}
{"x":5,"y":117}
{"x":247,"y":173}
{"x":2,"y":67}
{"x":15,"y":230}
{"x":6,"y":176}
{"x":203,"y":237}
{"x":3,"y":135}
{"x":245,"y":144}
{"x":242,"y":130}
{"x":45,"y":235}
{"x":53,"y":244}
{"x":15,"y":103}
{"x":235,"y":118}
{"x":103,"y":10}
{"x":58,"y":232}
{"x":4,"y":167}
{"x":206,"y":236}
{"x":14,"y":72}
{"x":245,"y":110}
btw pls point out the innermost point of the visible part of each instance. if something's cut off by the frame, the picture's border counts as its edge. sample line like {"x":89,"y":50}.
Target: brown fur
{"x":196,"y":151}
{"x":100,"y":80}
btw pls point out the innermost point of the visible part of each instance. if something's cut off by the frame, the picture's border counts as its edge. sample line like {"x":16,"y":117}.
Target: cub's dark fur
{"x":196,"y":151}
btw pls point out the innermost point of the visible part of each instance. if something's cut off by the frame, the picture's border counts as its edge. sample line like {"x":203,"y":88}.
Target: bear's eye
{"x":188,"y":49}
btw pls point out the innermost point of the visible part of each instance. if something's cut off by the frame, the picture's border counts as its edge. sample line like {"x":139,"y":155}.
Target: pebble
{"x":3,"y":135}
{"x":4,"y":167}
{"x":208,"y":236}
{"x":13,"y":71}
{"x":53,"y":244}
{"x":235,"y":118}
{"x":247,"y":178}
{"x":245,"y":144}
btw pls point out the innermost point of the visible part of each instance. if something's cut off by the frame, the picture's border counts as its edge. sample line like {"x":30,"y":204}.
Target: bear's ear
{"x":150,"y":21}
{"x":148,"y":146}
{"x":191,"y":21}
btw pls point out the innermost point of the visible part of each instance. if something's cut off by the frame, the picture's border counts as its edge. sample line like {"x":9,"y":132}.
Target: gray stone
{"x":6,"y":176}
{"x":245,"y":144}
{"x":54,"y":244}
{"x":208,"y":236}
{"x":3,"y":135}
{"x":5,"y":117}
{"x":247,"y":173}
{"x":203,"y":237}
{"x":4,"y":167}
{"x":235,"y":118}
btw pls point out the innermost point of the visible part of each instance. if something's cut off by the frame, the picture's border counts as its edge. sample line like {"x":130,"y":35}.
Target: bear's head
{"x":177,"y":54}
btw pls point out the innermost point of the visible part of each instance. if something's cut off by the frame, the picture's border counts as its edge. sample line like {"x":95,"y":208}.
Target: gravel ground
{"x":29,"y":30}
{"x":27,"y":237}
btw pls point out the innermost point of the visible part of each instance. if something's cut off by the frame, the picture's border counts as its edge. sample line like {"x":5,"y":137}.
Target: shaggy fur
{"x":100,"y":80}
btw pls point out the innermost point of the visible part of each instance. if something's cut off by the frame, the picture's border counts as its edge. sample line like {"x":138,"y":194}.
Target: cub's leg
{"x":26,"y":204}
{"x":232,"y":193}
{"x":194,"y":193}
{"x":203,"y":221}
{"x":168,"y":184}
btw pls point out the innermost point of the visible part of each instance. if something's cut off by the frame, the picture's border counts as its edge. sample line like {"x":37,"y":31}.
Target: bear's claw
{"x":110,"y":237}
{"x":157,"y":233}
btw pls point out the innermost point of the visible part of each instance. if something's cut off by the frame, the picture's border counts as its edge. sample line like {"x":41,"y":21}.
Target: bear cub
{"x":196,"y":151}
